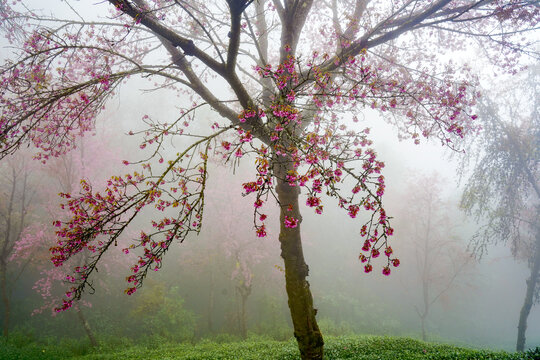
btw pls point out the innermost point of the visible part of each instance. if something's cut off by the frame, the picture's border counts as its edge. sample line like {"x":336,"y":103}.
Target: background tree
{"x":235,"y":240}
{"x":424,"y":222}
{"x":163,"y":311}
{"x":62,"y":174}
{"x":15,"y":205}
{"x":229,"y":255}
{"x":503,"y":190}
{"x":287,"y":113}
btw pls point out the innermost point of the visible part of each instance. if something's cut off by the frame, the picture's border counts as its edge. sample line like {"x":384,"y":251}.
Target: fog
{"x":225,"y":283}
{"x":200,"y":277}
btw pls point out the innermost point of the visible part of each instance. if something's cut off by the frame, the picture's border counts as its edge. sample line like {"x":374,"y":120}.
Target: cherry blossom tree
{"x":63,"y":173}
{"x":284,"y":77}
{"x":64,"y":170}
{"x":503,"y":191}
{"x":52,"y":278}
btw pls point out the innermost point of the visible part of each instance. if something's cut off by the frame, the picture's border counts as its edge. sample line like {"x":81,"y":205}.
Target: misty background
{"x":228,"y":284}
{"x":198,"y":289}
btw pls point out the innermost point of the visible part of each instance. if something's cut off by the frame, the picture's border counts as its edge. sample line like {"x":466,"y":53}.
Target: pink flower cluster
{"x":98,"y":219}
{"x":322,"y":154}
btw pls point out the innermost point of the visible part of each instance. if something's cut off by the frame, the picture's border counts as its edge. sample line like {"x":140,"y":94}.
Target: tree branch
{"x":203,"y":28}
{"x":187,"y":45}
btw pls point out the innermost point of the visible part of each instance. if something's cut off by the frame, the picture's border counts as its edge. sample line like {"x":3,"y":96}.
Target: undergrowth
{"x":336,"y":348}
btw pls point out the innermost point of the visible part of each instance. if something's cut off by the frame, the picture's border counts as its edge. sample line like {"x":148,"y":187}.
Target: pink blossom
{"x":313,"y":201}
{"x":290,"y":222}
{"x":261,"y":231}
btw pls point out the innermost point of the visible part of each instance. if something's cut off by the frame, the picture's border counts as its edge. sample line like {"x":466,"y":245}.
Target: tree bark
{"x":306,"y":330}
{"x":532,"y":283}
{"x":86,"y":327}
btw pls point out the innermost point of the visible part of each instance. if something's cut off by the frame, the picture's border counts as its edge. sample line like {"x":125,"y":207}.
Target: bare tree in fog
{"x":425,"y":223}
{"x":15,"y":202}
{"x":504,"y":189}
{"x":67,"y":170}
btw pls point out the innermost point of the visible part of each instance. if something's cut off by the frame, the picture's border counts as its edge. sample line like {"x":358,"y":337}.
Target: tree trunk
{"x":426,"y":271}
{"x":211,"y":305}
{"x":425,"y":313}
{"x":86,"y":327}
{"x":243,"y":318}
{"x":423,"y":320}
{"x":5,"y":299}
{"x":529,"y":295}
{"x":306,"y":330}
{"x":244,"y":292}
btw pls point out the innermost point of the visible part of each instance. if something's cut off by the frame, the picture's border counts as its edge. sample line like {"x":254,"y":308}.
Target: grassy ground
{"x":336,"y":348}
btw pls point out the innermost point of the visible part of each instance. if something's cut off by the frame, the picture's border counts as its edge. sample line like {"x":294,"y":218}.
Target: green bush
{"x":76,"y":347}
{"x":255,"y":348}
{"x":162,"y":316}
{"x":20,"y":338}
{"x":9,"y":351}
{"x":225,"y":338}
{"x":330,"y":327}
{"x":533,"y":354}
{"x":112,"y":343}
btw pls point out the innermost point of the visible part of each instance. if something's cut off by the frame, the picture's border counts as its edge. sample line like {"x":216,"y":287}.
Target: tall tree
{"x":280,"y":74}
{"x":227,"y":239}
{"x":15,"y":204}
{"x":504,"y":188}
{"x":88,"y":161}
{"x":424,"y":222}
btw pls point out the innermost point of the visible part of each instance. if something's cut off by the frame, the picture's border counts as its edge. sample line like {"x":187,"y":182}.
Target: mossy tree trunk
{"x":300,"y":300}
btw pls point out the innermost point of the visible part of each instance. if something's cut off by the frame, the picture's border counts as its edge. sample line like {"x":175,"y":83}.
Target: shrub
{"x":533,"y":354}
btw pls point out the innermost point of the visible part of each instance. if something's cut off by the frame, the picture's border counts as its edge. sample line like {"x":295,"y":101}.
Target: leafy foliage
{"x":346,"y":347}
{"x":163,"y":312}
{"x":533,"y":353}
{"x":503,"y":189}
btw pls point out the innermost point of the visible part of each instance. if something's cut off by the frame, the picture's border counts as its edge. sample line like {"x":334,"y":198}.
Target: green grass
{"x":336,"y":348}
